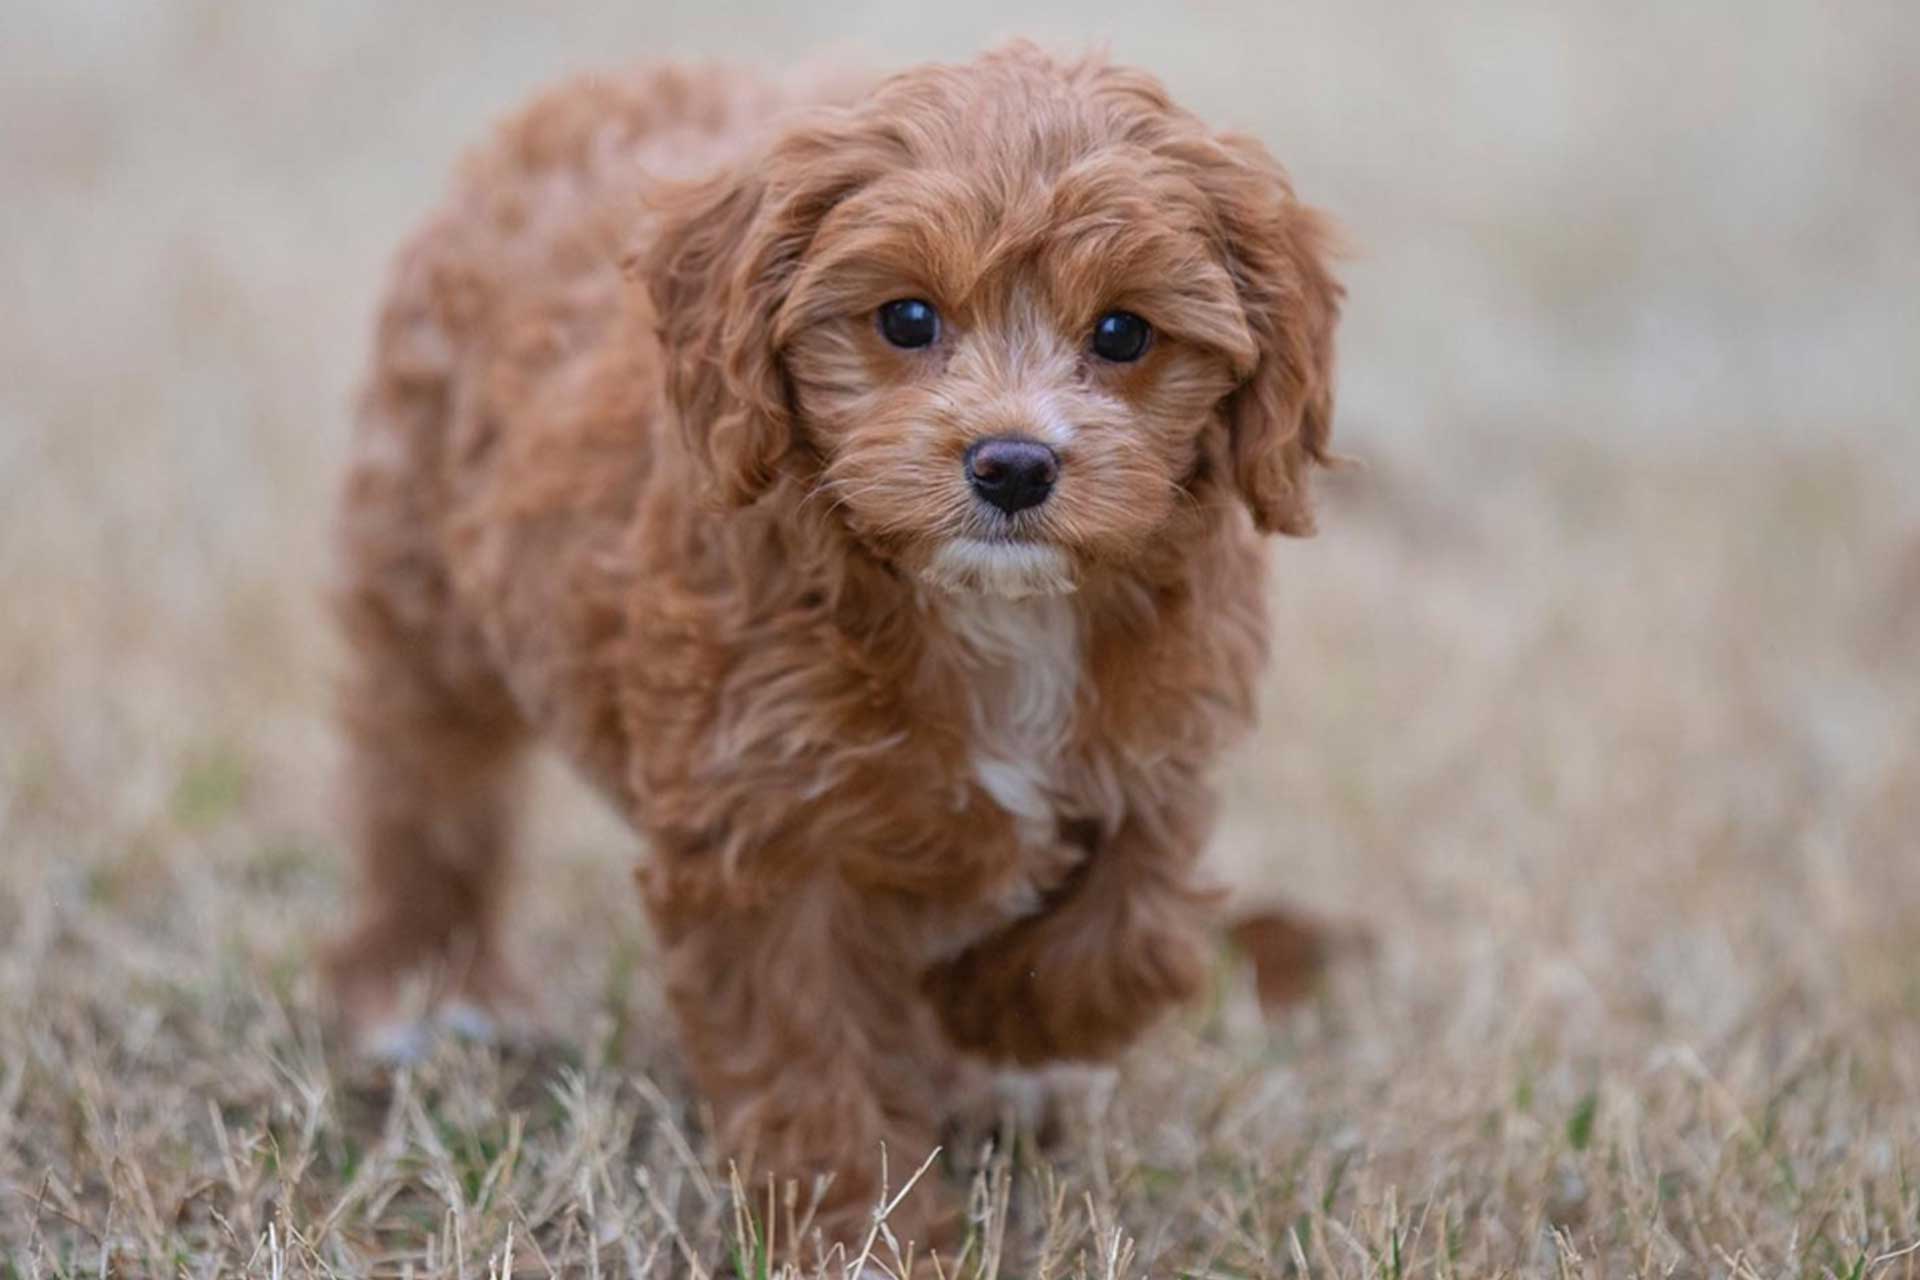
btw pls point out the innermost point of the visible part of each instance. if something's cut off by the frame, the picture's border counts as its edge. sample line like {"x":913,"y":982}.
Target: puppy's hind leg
{"x":430,"y":790}
{"x":432,"y":771}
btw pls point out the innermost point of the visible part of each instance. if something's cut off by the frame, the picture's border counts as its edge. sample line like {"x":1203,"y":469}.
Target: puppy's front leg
{"x":1079,"y":981}
{"x":806,"y":1033}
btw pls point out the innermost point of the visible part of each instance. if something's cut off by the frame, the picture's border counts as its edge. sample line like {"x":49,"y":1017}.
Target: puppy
{"x":864,"y":491}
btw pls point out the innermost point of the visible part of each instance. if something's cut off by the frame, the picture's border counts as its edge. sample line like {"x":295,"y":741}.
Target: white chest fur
{"x":1022,"y":665}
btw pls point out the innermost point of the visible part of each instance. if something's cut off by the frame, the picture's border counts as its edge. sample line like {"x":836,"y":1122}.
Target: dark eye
{"x":1120,"y":336}
{"x":909,"y":322}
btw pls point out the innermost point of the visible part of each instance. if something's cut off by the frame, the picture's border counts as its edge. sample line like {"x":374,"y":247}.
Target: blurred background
{"x":1596,"y":700}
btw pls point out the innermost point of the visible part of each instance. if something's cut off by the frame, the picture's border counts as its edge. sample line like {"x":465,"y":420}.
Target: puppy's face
{"x":1021,"y":321}
{"x":1007,"y":387}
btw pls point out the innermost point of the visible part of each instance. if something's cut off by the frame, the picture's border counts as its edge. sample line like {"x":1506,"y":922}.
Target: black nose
{"x":1012,"y":474}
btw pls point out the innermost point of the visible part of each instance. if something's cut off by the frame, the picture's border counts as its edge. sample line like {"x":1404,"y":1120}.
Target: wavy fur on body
{"x":636,"y":473}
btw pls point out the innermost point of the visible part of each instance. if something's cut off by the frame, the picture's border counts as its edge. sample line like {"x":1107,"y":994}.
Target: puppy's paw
{"x":1042,"y":1102}
{"x":405,"y":1036}
{"x":393,"y":1010}
{"x":491,"y":1005}
{"x":465,"y":1020}
{"x":1056,"y":989}
{"x":396,"y":1042}
{"x":381,"y":1008}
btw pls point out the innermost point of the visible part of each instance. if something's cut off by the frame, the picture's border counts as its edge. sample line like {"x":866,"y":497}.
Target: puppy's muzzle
{"x":1012,"y":474}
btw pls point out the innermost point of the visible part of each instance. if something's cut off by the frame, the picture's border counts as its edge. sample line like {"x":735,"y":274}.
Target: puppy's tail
{"x":1291,"y":951}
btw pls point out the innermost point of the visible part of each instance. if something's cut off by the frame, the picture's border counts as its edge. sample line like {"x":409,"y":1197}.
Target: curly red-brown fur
{"x":637,"y":474}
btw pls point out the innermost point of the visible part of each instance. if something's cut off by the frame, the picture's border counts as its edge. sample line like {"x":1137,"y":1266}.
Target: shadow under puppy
{"x":864,"y":491}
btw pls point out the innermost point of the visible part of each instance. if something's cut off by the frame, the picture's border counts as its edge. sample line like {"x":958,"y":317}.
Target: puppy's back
{"x":509,"y":415}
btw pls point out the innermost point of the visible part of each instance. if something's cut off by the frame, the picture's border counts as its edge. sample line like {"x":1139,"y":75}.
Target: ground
{"x":1595,"y":704}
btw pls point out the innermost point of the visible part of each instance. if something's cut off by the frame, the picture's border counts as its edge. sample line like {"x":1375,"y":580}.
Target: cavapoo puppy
{"x":865,"y":492}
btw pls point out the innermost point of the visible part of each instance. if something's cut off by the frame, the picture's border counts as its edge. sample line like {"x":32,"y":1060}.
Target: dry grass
{"x":1597,"y":699}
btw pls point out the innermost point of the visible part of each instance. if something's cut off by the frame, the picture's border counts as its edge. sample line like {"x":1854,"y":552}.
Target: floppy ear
{"x":717,"y":272}
{"x":1278,"y":252}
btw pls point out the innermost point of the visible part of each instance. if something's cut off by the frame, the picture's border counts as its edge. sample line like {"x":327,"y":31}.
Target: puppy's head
{"x":1013,"y":321}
